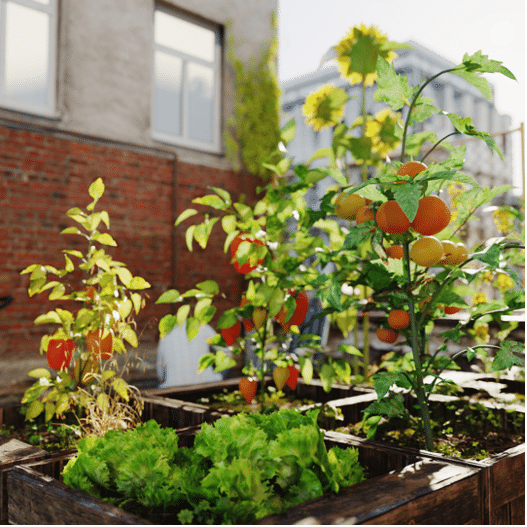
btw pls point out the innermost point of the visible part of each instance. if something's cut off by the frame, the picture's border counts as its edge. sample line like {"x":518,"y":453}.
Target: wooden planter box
{"x":501,"y":477}
{"x":177,"y":407}
{"x":14,"y":453}
{"x":402,"y":488}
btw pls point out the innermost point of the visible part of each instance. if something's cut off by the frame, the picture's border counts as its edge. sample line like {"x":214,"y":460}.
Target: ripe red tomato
{"x":231,"y":334}
{"x":100,"y":348}
{"x":247,"y":388}
{"x":292,"y":380}
{"x":60,"y":353}
{"x":246,"y":267}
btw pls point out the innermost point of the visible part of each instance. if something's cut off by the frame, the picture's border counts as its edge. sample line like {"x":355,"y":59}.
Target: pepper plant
{"x":82,"y":348}
{"x":404,"y":247}
{"x":269,"y":244}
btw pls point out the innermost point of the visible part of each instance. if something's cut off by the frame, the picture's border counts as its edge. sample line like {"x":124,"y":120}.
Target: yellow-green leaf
{"x":125,"y":308}
{"x":58,"y":292}
{"x":193,"y":326}
{"x":210,"y":287}
{"x":108,"y":374}
{"x":307,"y":371}
{"x":103,"y":402}
{"x":130,"y":336}
{"x":105,"y":239}
{"x":138,"y":283}
{"x":69,"y":264}
{"x":49,"y":410}
{"x":182,"y":314}
{"x":185,"y":215}
{"x":38,"y":373}
{"x":169,"y":297}
{"x":125,"y":276}
{"x":34,"y":410}
{"x":189,"y":236}
{"x":137,"y":300}
{"x":228,"y":223}
{"x":121,"y":387}
{"x":63,"y":403}
{"x":96,"y":189}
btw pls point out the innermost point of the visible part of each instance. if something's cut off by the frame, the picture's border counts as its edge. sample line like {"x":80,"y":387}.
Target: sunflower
{"x":358,"y":51}
{"x":382,"y":128}
{"x":325,"y":106}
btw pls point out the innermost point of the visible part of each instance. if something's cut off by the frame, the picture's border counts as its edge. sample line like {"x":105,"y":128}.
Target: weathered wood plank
{"x":12,"y":453}
{"x":36,"y":499}
{"x":378,"y":500}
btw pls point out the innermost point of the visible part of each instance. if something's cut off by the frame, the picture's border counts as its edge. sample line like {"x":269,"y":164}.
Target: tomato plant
{"x":413,"y":262}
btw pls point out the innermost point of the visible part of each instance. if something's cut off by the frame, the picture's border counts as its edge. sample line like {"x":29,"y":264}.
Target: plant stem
{"x":437,"y":144}
{"x":366,"y":317}
{"x":412,"y":104}
{"x":419,"y":386}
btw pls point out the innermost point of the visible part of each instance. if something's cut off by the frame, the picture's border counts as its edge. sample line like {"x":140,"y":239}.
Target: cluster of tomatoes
{"x":433,"y":215}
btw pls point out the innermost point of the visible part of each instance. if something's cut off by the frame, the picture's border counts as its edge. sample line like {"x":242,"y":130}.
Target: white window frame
{"x":184,"y":140}
{"x":49,"y":108}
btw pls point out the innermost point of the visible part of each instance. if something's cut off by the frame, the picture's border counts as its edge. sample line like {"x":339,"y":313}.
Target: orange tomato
{"x":399,"y":319}
{"x":433,"y":215}
{"x":389,"y":336}
{"x":395,"y":251}
{"x":391,"y":218}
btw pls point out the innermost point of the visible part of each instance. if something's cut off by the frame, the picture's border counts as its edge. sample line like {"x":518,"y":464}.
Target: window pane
{"x":201,"y":102}
{"x":183,"y":36}
{"x":167,"y":93}
{"x":26,"y":55}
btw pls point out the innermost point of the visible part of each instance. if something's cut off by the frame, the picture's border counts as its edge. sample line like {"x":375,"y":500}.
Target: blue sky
{"x":451,"y":28}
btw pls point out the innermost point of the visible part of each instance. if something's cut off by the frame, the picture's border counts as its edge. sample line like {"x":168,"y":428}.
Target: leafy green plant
{"x":253,"y":130}
{"x":240,"y":469}
{"x":82,"y":347}
{"x":405,"y":212}
{"x":270,"y":245}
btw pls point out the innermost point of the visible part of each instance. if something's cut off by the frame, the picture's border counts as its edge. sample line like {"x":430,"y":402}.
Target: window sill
{"x":187,"y":143}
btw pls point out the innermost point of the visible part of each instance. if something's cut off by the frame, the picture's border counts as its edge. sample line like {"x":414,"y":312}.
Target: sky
{"x":450,"y":28}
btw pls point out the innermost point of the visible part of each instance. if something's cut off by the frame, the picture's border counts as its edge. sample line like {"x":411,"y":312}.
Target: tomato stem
{"x":412,"y":104}
{"x":415,"y":345}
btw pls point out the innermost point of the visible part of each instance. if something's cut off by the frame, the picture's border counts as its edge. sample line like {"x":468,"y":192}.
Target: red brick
{"x":43,"y":176}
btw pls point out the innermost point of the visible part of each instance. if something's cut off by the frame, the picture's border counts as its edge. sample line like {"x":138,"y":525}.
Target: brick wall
{"x":43,"y":174}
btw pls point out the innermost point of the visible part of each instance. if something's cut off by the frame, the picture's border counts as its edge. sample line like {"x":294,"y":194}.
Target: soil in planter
{"x":271,"y":401}
{"x":51,"y":437}
{"x":469,"y":430}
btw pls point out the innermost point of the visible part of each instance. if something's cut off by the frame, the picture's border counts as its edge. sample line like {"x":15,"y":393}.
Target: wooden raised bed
{"x":314,"y":390}
{"x":501,"y":477}
{"x":14,"y":453}
{"x":416,"y":489}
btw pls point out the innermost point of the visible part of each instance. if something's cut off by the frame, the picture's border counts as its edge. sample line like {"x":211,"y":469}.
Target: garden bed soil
{"x":501,"y":474}
{"x":183,"y":406}
{"x":402,"y":487}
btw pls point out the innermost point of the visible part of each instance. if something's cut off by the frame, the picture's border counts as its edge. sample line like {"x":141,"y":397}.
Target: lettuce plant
{"x":240,"y":469}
